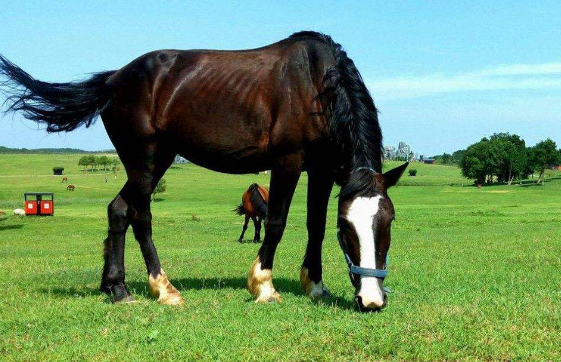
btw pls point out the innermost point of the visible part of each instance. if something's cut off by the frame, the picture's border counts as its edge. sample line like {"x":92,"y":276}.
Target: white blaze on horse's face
{"x":361,"y":214}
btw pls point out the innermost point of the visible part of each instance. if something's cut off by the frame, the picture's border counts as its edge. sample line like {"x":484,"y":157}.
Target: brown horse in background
{"x":301,"y":99}
{"x":254,"y":206}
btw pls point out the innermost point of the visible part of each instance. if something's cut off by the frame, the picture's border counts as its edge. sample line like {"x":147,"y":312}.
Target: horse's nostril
{"x":364,"y":309}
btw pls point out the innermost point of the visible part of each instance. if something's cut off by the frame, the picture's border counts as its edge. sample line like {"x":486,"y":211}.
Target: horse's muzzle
{"x":370,"y":307}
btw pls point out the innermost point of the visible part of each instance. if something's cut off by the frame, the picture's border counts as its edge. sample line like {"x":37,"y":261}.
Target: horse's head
{"x":364,"y":231}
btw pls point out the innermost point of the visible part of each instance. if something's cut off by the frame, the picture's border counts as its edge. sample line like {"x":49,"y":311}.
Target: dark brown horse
{"x":254,"y":206}
{"x":70,"y":187}
{"x":298,"y":100}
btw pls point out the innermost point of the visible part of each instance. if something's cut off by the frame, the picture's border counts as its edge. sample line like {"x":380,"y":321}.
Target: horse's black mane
{"x":354,"y":118}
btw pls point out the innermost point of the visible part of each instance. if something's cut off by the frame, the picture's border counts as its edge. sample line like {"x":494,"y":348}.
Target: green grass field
{"x":475,"y":274}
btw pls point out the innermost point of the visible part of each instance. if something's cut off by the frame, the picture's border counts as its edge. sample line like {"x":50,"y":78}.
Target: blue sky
{"x":442,"y":73}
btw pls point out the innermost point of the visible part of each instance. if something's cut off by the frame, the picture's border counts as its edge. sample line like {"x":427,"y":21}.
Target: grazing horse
{"x":254,"y":206}
{"x":300,"y":100}
{"x":64,"y":179}
{"x":70,"y":187}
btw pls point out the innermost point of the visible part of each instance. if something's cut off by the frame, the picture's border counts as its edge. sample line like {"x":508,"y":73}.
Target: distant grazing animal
{"x":254,"y":206}
{"x":70,"y":187}
{"x":19,"y":212}
{"x":298,"y":101}
{"x":64,"y":179}
{"x":2,"y":213}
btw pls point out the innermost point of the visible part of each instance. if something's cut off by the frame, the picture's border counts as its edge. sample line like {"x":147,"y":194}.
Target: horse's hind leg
{"x":113,"y":277}
{"x":244,"y":228}
{"x":257,"y":224}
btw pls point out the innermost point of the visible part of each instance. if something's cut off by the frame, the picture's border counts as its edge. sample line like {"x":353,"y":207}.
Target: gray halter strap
{"x":364,"y":168}
{"x":357,"y":270}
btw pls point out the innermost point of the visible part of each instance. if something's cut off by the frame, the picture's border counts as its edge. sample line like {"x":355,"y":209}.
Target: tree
{"x":160,"y":188}
{"x":457,"y":156}
{"x":502,"y":157}
{"x":114,"y":163}
{"x":473,"y":162}
{"x":446,"y":158}
{"x":508,"y":157}
{"x":83,"y":162}
{"x":104,"y":162}
{"x":543,"y":155}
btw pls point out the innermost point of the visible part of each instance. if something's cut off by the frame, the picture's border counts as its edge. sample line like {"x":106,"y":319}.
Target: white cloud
{"x":503,"y":77}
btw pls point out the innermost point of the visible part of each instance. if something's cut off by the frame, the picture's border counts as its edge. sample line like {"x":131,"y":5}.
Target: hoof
{"x":129,"y":299}
{"x":260,"y":284}
{"x":269,"y":299}
{"x":161,"y":288}
{"x":312,"y":289}
{"x":118,"y":293}
{"x":171,"y":299}
{"x":319,"y":292}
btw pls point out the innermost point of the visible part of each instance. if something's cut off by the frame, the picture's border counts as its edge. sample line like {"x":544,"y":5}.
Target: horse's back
{"x":224,"y":110}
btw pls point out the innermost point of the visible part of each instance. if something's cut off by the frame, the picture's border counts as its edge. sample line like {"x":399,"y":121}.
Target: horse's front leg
{"x":142,"y":181}
{"x":320,"y":183}
{"x":284,"y":178}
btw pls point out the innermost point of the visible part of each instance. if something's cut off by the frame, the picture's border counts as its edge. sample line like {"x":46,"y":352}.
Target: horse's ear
{"x":392,"y":176}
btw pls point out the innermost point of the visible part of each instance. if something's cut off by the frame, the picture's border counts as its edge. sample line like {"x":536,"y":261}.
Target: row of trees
{"x":504,"y":157}
{"x":95,"y":163}
{"x":450,"y":159}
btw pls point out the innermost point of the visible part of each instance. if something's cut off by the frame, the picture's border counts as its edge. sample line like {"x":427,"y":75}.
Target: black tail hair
{"x":240,"y":210}
{"x":62,"y":106}
{"x":353,"y":115}
{"x":258,"y":201}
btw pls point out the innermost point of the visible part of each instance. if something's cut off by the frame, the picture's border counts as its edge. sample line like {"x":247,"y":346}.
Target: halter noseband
{"x":357,"y":270}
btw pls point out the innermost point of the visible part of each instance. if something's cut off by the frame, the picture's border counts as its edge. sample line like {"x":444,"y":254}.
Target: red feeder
{"x":39,"y":203}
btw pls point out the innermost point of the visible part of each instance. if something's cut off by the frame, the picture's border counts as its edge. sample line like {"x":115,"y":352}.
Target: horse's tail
{"x":258,"y":201}
{"x":62,"y":106}
{"x":240,"y":210}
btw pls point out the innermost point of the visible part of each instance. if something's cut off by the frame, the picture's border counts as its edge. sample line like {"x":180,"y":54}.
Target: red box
{"x":31,"y":207}
{"x":47,"y":207}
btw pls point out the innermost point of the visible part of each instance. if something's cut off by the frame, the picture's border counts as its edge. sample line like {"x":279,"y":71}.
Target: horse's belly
{"x":232,"y":154}
{"x":233,"y":163}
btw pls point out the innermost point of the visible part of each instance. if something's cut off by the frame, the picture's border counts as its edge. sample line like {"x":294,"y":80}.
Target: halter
{"x":358,"y":270}
{"x":364,"y":168}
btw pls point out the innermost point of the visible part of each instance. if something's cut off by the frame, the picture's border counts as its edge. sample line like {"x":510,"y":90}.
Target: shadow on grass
{"x":283,"y":285}
{"x":71,"y":292}
{"x":249,"y":241}
{"x":10,"y":227}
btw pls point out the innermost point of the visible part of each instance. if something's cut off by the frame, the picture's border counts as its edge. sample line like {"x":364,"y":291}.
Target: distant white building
{"x":403,"y":152}
{"x":389,"y":152}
